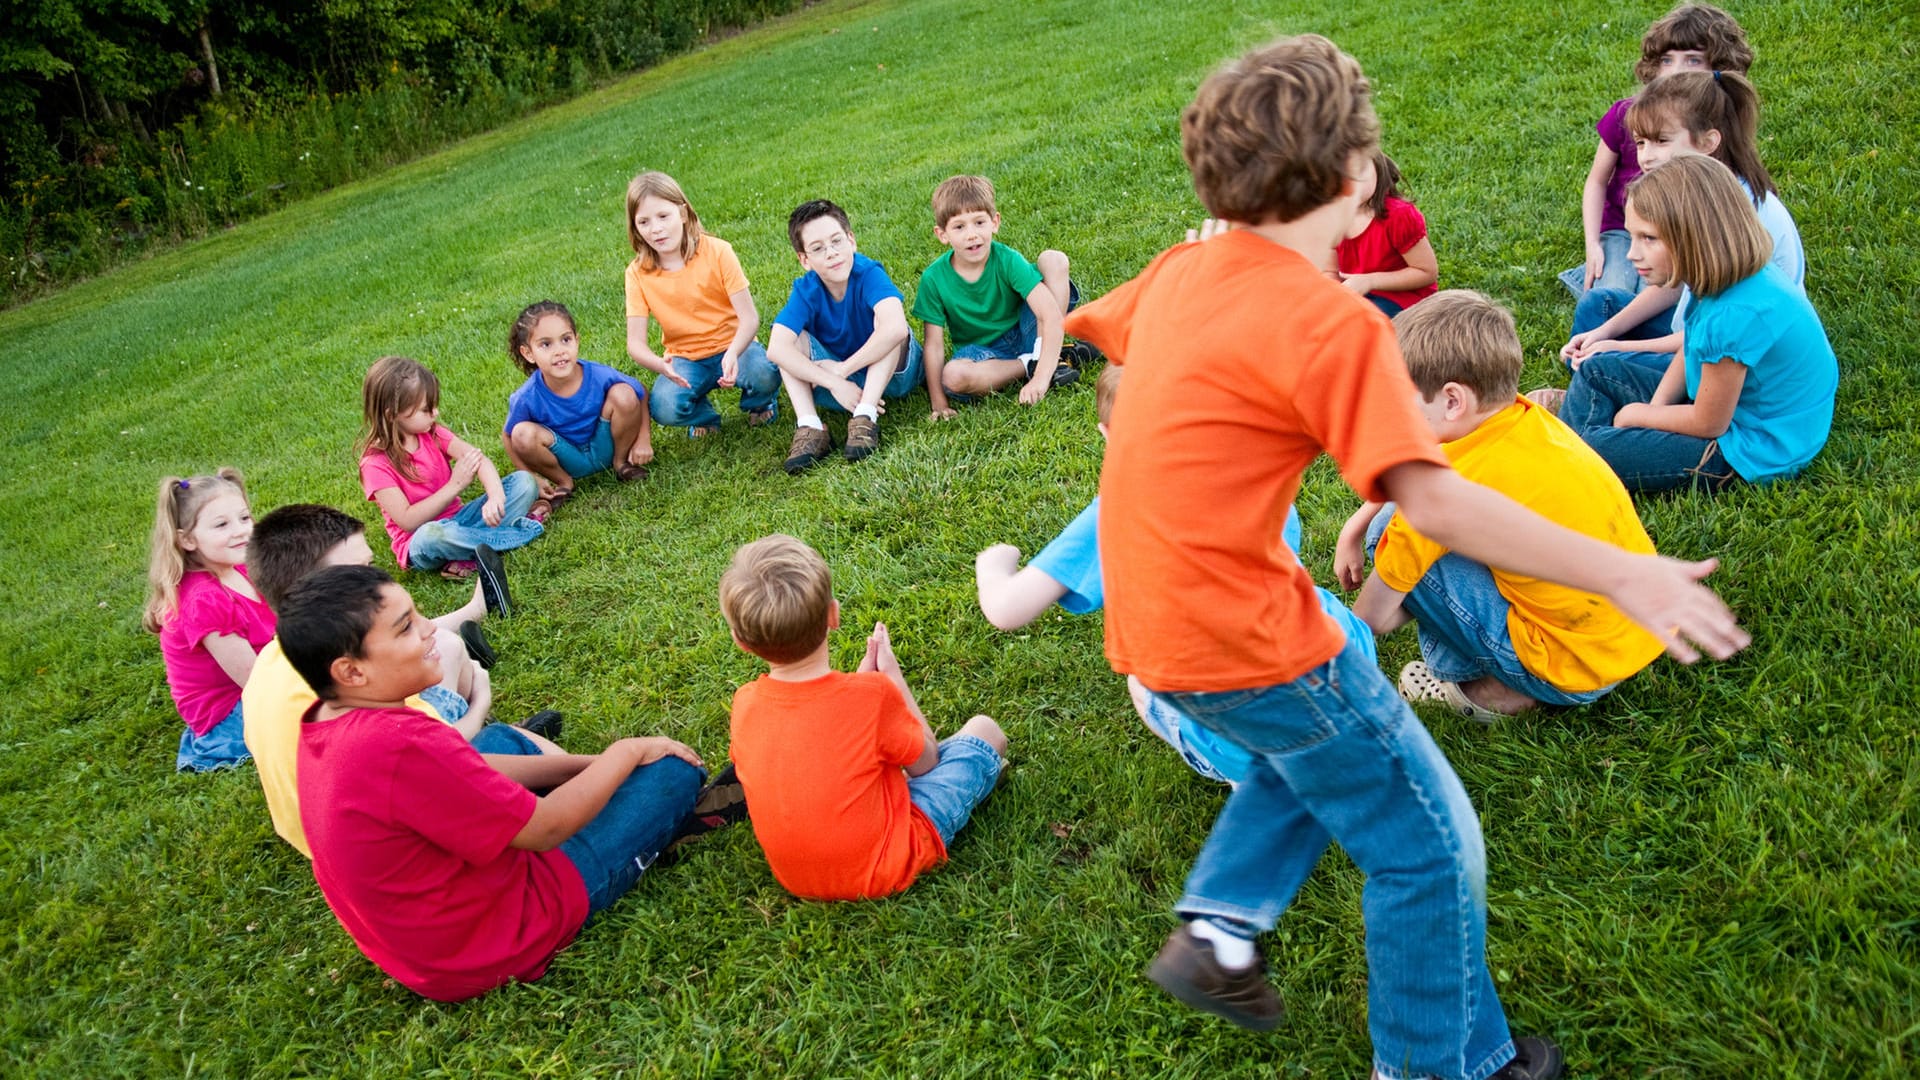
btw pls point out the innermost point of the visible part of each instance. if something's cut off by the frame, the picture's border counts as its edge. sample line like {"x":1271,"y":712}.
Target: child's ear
{"x":833,"y":615}
{"x":1710,"y":142}
{"x":346,"y":671}
{"x":1102,"y":428}
{"x":1461,"y":400}
{"x":183,"y":539}
{"x":802,"y":257}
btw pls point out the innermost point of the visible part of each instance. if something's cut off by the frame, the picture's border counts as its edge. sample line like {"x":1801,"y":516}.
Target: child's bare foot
{"x":871,"y":661}
{"x":1491,"y":693}
{"x":880,"y":644}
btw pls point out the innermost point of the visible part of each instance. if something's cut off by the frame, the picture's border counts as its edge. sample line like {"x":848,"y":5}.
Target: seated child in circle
{"x":852,"y":795}
{"x":1067,"y":572}
{"x":450,"y":875}
{"x":1495,"y":642}
{"x":1386,"y":256}
{"x":691,"y":282}
{"x":210,"y":620}
{"x":1001,"y":312}
{"x":1750,"y":396}
{"x":842,"y":342}
{"x":414,"y":469}
{"x":572,"y":417}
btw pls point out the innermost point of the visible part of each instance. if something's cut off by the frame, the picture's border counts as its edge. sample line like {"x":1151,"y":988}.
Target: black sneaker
{"x":545,"y":723}
{"x":1534,"y":1058}
{"x":1187,"y":969}
{"x":1080,"y":354}
{"x":493,"y":581}
{"x":475,"y":639}
{"x":721,"y":802}
{"x":1064,"y":374}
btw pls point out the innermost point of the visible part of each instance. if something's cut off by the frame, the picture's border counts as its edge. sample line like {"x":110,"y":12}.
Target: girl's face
{"x":662,"y":224}
{"x":219,"y":535}
{"x":553,"y":347}
{"x":1683,"y":60}
{"x":1673,"y":139}
{"x":419,"y":420}
{"x":1648,"y":253}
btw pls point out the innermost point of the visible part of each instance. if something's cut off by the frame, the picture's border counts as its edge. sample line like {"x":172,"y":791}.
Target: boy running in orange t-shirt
{"x":1244,"y":363}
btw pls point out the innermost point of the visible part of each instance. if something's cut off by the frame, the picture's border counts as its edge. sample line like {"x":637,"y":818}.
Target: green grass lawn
{"x":1712,"y":873}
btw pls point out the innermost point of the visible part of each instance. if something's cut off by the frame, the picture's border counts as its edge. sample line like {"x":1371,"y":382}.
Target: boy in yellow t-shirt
{"x":1495,"y":642}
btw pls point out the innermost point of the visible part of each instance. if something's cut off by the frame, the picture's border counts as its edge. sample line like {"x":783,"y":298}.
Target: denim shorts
{"x":502,"y":739}
{"x":450,"y":705}
{"x":905,"y":380}
{"x":1020,"y":341}
{"x":586,"y":460}
{"x":222,"y":747}
{"x":948,"y":792}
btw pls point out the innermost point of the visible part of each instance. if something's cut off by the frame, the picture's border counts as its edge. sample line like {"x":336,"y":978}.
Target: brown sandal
{"x":630,"y":472}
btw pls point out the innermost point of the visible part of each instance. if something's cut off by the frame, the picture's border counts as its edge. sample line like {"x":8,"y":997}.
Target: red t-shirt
{"x":1243,"y":362}
{"x":410,"y":831}
{"x":430,"y":464}
{"x":1379,"y":249}
{"x":820,"y":764}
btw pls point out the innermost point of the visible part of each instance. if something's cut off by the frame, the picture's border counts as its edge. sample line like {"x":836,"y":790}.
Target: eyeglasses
{"x":839,"y":243}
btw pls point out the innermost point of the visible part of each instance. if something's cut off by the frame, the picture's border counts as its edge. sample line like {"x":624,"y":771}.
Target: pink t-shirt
{"x":430,"y":463}
{"x":1378,"y":249}
{"x":411,"y":834}
{"x":201,"y":688}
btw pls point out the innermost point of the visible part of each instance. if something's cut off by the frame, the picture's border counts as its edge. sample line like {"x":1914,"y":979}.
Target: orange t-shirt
{"x":1243,"y":362}
{"x":820,"y":764}
{"x":694,"y":303}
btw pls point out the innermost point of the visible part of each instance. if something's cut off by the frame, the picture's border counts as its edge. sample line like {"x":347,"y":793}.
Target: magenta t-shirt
{"x":1613,"y":132}
{"x":412,"y":847}
{"x":201,"y":688}
{"x":430,"y":463}
{"x":1378,"y":249}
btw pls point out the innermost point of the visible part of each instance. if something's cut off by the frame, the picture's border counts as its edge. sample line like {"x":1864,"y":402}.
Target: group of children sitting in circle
{"x":461,"y":854}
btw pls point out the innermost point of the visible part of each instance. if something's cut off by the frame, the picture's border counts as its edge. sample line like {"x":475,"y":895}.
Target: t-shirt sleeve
{"x":449,"y":795}
{"x":1406,"y":226}
{"x":1073,"y":560}
{"x":1107,"y":321}
{"x":1361,"y":410}
{"x":901,"y":738}
{"x":207,"y":609}
{"x":798,"y":310}
{"x":1020,"y":275}
{"x":927,"y":306}
{"x":733,"y":278}
{"x":610,"y":375}
{"x":1734,"y":332}
{"x":636,"y":296}
{"x":377,"y":472}
{"x":877,"y":285}
{"x":1613,"y":126}
{"x":1403,"y":555}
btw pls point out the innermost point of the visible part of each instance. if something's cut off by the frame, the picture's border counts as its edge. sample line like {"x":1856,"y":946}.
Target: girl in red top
{"x":1386,"y":256}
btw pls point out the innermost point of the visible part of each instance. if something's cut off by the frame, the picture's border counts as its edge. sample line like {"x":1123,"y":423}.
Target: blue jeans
{"x":223,"y":746}
{"x":1018,"y":342}
{"x":1386,"y":306}
{"x":438,"y":543}
{"x":631,"y":831}
{"x":906,"y":377}
{"x":948,"y":792}
{"x":1599,"y":305}
{"x":674,"y":405}
{"x":1616,"y":272}
{"x":1337,"y":754}
{"x":1644,"y":459}
{"x":1463,"y":626}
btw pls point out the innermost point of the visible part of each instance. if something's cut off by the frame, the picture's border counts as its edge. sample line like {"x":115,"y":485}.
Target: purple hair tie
{"x":185,"y":484}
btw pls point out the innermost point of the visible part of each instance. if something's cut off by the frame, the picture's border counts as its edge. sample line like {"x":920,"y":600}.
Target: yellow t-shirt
{"x":1575,"y":640}
{"x":275,"y":699}
{"x":694,"y":303}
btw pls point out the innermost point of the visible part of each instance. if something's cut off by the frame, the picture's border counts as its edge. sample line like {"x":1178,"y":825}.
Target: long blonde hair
{"x":176,"y":510}
{"x":394,"y":386}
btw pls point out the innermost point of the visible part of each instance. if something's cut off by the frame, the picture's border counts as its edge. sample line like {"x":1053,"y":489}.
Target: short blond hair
{"x":1106,"y":390}
{"x":777,"y":596}
{"x":1707,"y":222}
{"x":958,"y":195}
{"x":1461,"y":336}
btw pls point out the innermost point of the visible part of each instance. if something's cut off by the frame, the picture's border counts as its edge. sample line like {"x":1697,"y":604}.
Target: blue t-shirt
{"x":1788,"y":253}
{"x":1785,"y":409}
{"x":571,"y":418}
{"x":841,"y":326}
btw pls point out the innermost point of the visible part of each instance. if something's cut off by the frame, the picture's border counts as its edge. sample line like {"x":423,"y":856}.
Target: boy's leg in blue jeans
{"x":948,"y":792}
{"x":1337,"y":753}
{"x":439,"y":542}
{"x":1644,"y":459}
{"x":631,"y":831}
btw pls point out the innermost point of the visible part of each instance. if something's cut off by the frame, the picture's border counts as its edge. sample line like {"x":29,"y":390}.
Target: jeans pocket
{"x":1279,"y":719}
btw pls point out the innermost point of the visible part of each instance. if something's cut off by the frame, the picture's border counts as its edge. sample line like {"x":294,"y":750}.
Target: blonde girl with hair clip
{"x":211,"y":622}
{"x":690,"y":281}
{"x":1750,"y":395}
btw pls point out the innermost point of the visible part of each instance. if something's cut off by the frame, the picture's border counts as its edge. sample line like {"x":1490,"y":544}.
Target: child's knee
{"x":982,"y":727}
{"x":621,"y":402}
{"x":1052,"y":263}
{"x":528,"y":436}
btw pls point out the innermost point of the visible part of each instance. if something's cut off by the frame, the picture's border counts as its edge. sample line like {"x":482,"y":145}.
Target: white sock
{"x":812,"y":422}
{"x":867,"y":411}
{"x":1232,"y":950}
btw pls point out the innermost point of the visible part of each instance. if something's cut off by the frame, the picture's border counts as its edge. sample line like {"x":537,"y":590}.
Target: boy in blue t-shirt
{"x":842,"y":342}
{"x":1067,"y":572}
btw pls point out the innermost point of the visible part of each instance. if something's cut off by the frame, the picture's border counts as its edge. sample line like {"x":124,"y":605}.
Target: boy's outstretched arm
{"x":1046,"y":310}
{"x":935,"y":357}
{"x":1010,"y":596}
{"x":1350,"y":550}
{"x":567,"y":808}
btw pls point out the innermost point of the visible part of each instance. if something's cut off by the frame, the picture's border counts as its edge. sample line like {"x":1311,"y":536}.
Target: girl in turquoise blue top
{"x":1750,"y":396}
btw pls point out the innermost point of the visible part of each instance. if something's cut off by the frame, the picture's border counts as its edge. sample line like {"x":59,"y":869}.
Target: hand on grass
{"x":1035,"y":389}
{"x":942,"y":412}
{"x":642,"y":452}
{"x":1665,"y":596}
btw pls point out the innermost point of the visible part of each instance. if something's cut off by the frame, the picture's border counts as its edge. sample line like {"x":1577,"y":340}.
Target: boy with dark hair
{"x":1280,"y":145}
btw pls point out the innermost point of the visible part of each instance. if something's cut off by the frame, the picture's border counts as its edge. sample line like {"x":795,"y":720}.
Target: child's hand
{"x":467,"y":466}
{"x":847,"y":394}
{"x":1035,"y":389}
{"x":648,"y":750}
{"x":1666,"y":598}
{"x":1596,"y":261}
{"x":729,"y":368}
{"x":1350,"y":561}
{"x":641,"y":454}
{"x":1579,"y":346}
{"x":942,"y":412}
{"x":673,"y":376}
{"x":1209,"y":228}
{"x":493,"y":511}
{"x":1361,"y":284}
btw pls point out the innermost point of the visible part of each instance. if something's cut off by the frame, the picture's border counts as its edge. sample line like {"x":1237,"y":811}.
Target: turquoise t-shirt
{"x":1786,"y":404}
{"x":976,"y":312}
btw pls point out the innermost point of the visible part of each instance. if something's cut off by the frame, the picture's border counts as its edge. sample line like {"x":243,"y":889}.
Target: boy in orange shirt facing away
{"x":852,"y":795}
{"x":1244,"y":362}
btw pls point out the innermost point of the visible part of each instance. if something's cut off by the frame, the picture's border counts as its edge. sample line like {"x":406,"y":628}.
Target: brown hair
{"x":1386,"y":184}
{"x":659,"y":185}
{"x":1272,"y":135}
{"x":1703,"y":101}
{"x":1106,"y":391}
{"x":958,"y":195}
{"x":521,"y":331}
{"x":1709,"y":226}
{"x":1461,"y":336}
{"x":777,"y":595}
{"x":807,"y":213}
{"x":176,"y":510}
{"x":394,"y":385}
{"x":288,"y":544}
{"x":1694,"y":28}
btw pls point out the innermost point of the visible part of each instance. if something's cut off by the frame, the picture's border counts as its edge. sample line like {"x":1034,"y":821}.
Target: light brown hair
{"x":176,"y":510}
{"x":958,"y":195}
{"x":1386,"y":184}
{"x":1461,"y":336}
{"x":1694,"y":28}
{"x":395,"y":385}
{"x":660,"y":185}
{"x":1703,"y":101}
{"x":1708,"y":224}
{"x":777,"y":595}
{"x":1272,"y":136}
{"x":1106,"y":391}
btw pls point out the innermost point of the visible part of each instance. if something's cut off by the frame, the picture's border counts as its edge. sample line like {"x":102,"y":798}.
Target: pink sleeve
{"x":377,"y":472}
{"x":206,"y":607}
{"x":1406,"y":226}
{"x":449,"y":795}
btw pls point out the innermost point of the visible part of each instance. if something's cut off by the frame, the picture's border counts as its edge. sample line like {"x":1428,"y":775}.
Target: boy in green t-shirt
{"x":1002,"y":311}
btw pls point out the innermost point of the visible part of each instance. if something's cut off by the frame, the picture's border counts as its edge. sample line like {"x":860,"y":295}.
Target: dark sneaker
{"x":1186,"y":968}
{"x":1534,"y":1058}
{"x":722,"y":802}
{"x":475,"y":639}
{"x":546,"y":723}
{"x":1064,"y":374}
{"x":1080,"y":354}
{"x":863,"y":437}
{"x":493,"y":580}
{"x":810,"y":446}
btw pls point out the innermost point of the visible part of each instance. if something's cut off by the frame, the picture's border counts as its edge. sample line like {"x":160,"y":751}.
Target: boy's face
{"x":827,"y":250}
{"x":398,"y":657}
{"x":1683,"y":60}
{"x":970,"y":235}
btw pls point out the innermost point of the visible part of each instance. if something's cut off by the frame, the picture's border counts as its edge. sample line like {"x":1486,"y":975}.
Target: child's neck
{"x":569,"y":386}
{"x":346,"y":700}
{"x":1311,"y":235}
{"x":1467,"y":425}
{"x":836,"y":292}
{"x":229,"y":576}
{"x":669,"y":260}
{"x":970,"y":273}
{"x":1362,"y":218}
{"x":812,"y":666}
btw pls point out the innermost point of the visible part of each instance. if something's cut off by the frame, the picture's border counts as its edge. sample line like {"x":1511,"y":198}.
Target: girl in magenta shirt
{"x":1386,"y":257}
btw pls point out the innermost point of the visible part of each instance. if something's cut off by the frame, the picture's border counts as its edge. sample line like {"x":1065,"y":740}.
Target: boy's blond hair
{"x":1461,"y":336}
{"x":1706,"y":221}
{"x":1106,"y":389}
{"x":777,"y":595}
{"x":958,"y":195}
{"x":1272,"y":136}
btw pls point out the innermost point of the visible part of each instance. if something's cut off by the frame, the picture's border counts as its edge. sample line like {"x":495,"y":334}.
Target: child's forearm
{"x":1647,"y":303}
{"x":539,"y":770}
{"x":1403,"y":280}
{"x":886,"y":340}
{"x":1011,"y":596}
{"x":568,"y":807}
{"x":1381,"y":607}
{"x":490,"y":482}
{"x":234,"y":655}
{"x":935,"y":360}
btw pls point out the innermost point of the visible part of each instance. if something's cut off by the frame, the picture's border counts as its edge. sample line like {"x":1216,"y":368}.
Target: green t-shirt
{"x":976,"y":312}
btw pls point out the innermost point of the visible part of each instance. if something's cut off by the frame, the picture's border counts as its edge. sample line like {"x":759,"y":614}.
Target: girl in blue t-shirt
{"x":1750,"y":396}
{"x":572,"y":417}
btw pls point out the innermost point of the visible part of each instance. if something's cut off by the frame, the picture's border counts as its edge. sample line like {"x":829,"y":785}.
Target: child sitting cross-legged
{"x":1495,"y":642}
{"x":852,"y":795}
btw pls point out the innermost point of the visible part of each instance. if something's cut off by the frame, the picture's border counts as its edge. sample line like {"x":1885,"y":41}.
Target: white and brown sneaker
{"x":810,"y":446}
{"x":863,"y":437}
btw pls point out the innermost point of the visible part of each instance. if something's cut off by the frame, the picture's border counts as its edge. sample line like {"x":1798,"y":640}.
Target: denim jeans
{"x":223,"y":746}
{"x":1616,"y":272}
{"x":631,"y":831}
{"x":438,"y":543}
{"x":596,"y":456}
{"x":1600,"y":304}
{"x":948,"y":792}
{"x":1644,"y":459}
{"x":1021,"y":340}
{"x":1463,"y":626}
{"x":687,"y":406}
{"x":906,"y":377}
{"x":448,"y":703}
{"x":1337,"y":754}
{"x":1387,"y":307}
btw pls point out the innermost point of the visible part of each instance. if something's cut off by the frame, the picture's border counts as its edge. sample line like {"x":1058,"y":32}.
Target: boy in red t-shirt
{"x":1245,"y":362}
{"x":821,"y":753}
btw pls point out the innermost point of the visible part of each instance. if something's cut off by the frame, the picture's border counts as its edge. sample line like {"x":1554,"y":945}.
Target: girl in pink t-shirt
{"x":1386,"y":256}
{"x":414,"y":468}
{"x":210,"y":621}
